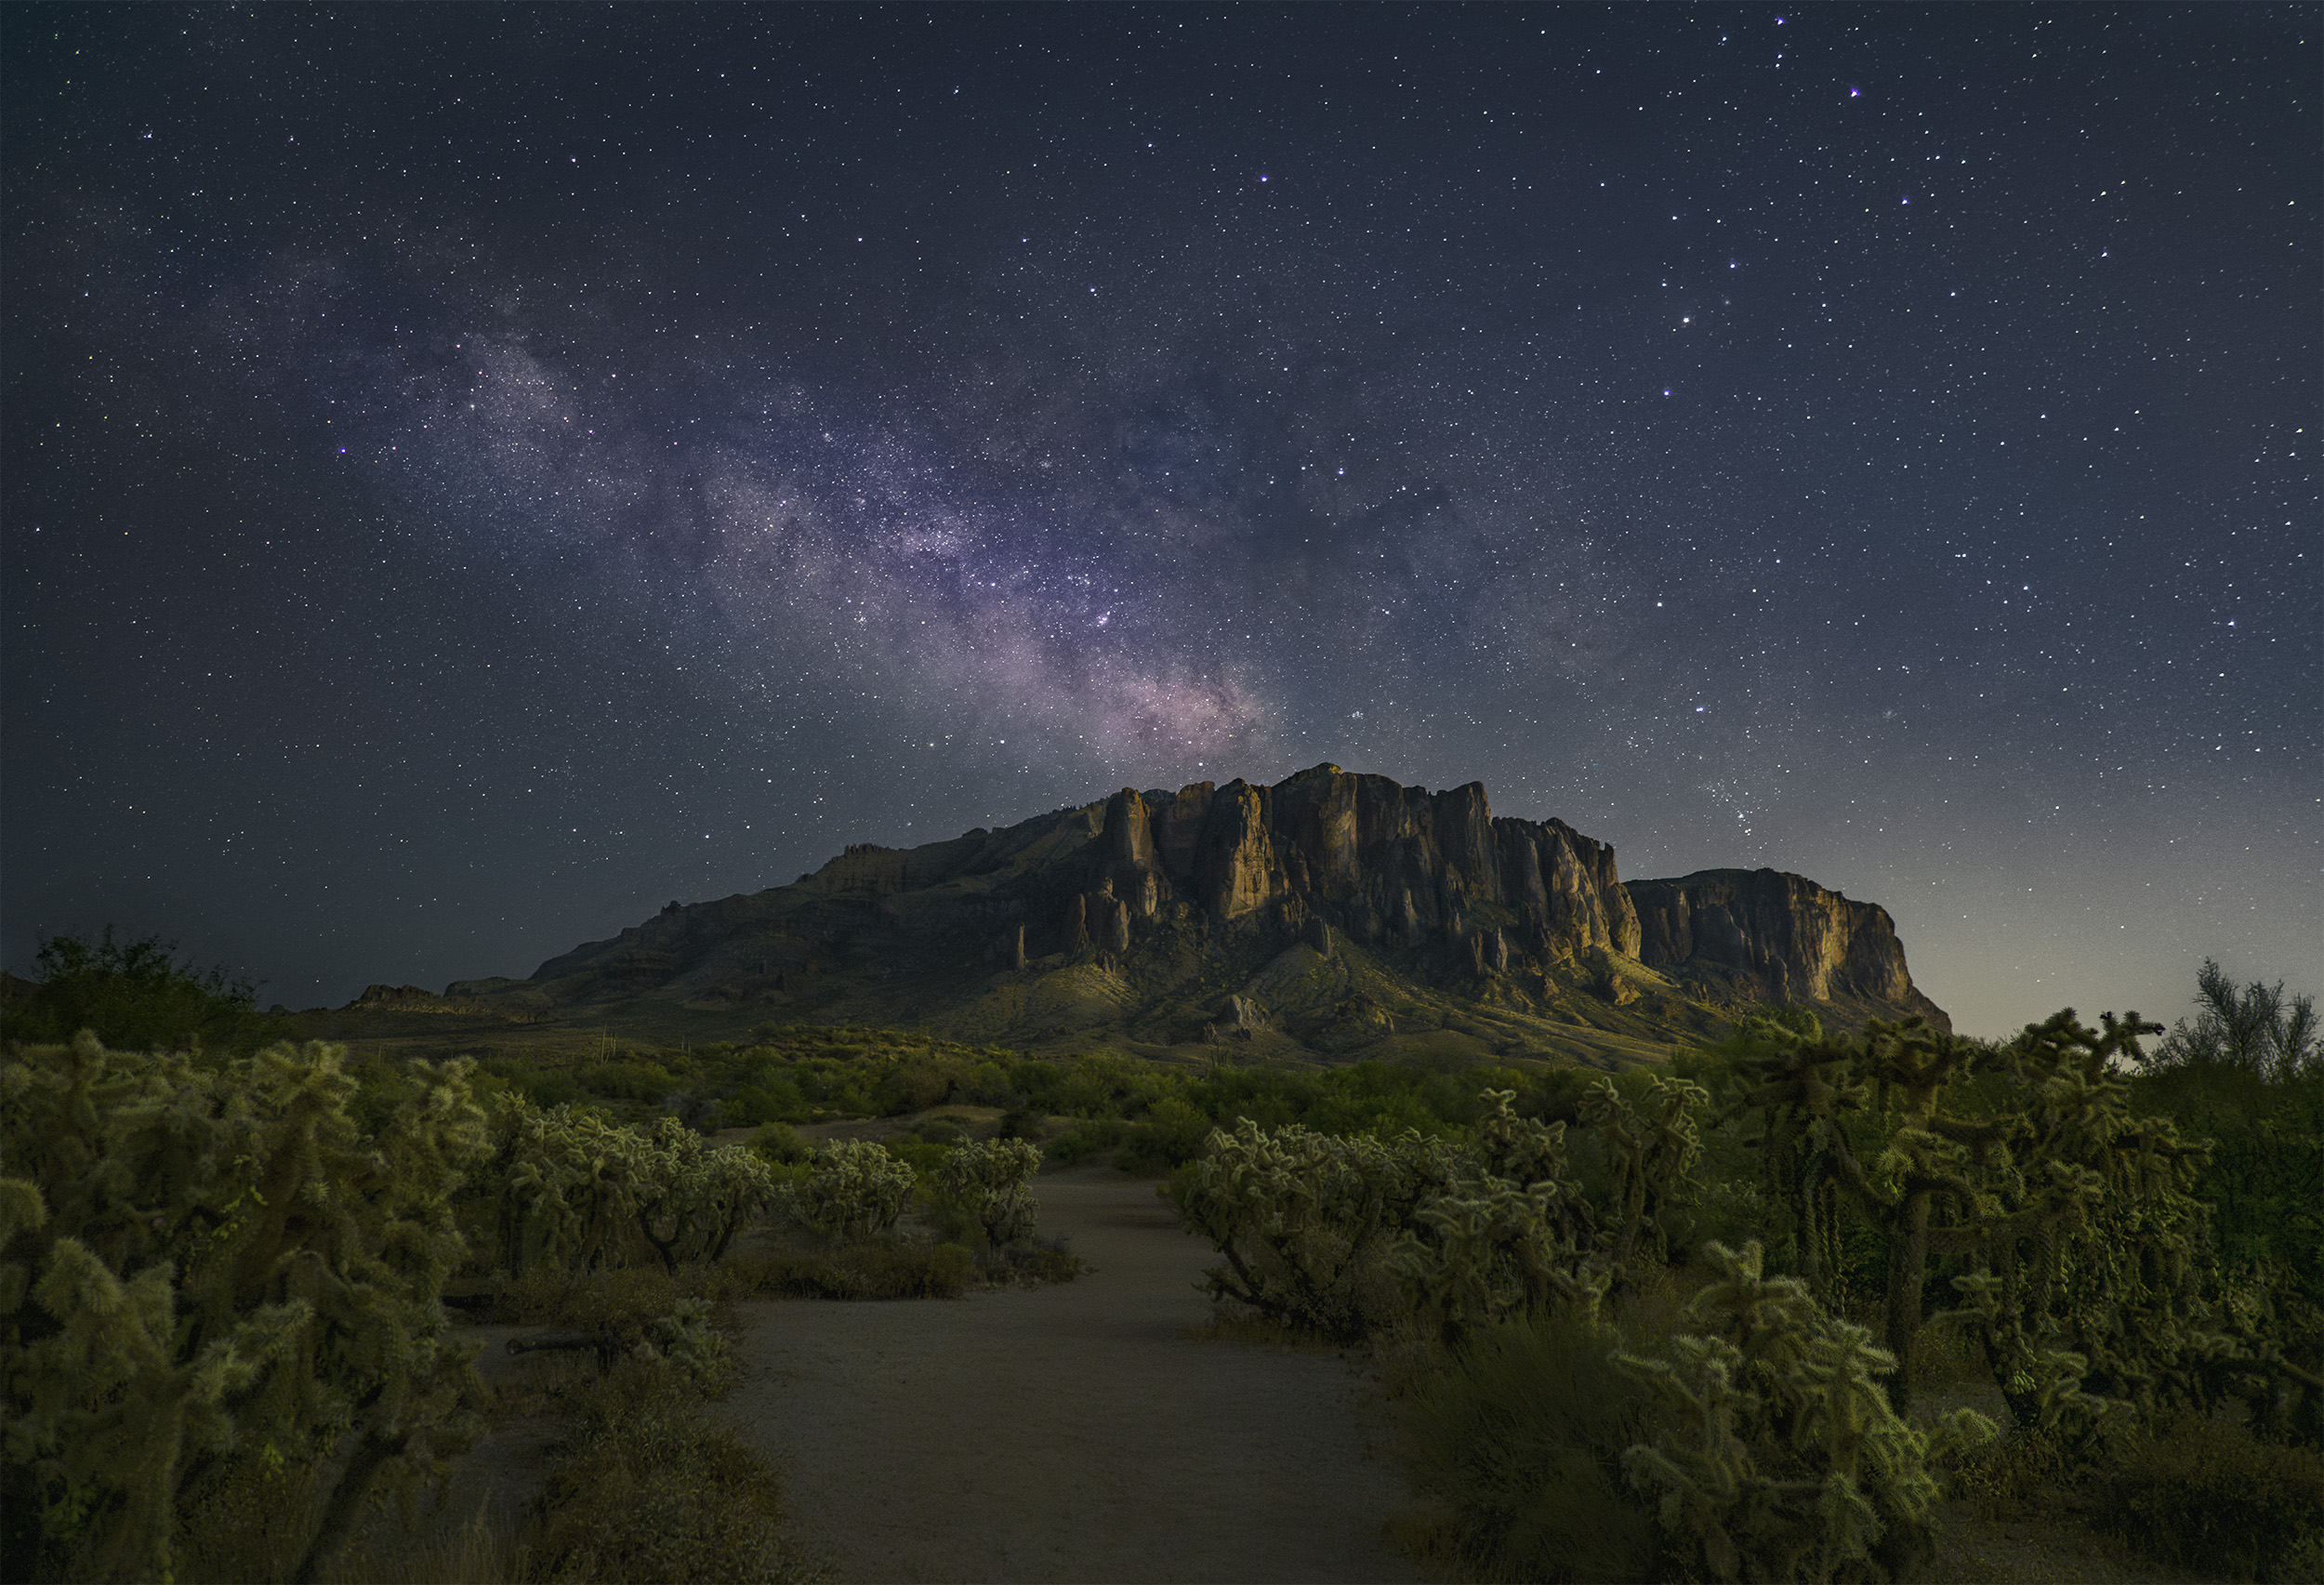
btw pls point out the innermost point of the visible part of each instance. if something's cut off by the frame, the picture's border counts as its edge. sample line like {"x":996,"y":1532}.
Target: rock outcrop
{"x":1777,"y":937}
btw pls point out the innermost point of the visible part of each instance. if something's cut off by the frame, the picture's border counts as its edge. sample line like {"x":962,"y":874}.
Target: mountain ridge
{"x":1331,"y":916}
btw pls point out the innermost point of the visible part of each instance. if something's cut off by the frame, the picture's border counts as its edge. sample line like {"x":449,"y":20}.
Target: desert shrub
{"x":780,"y":1144}
{"x":2022,"y":1474}
{"x":649,"y":1492}
{"x":855,"y":1190}
{"x":635,"y":1311}
{"x":1083,"y":1142}
{"x":923,"y":1157}
{"x":1028,"y":1261}
{"x":2208,"y":1496}
{"x":542,"y":1088}
{"x":245,"y":1518}
{"x":1520,"y":1438}
{"x":627,"y":1081}
{"x":1020,"y":1122}
{"x":941,"y":1130}
{"x":988,"y":1185}
{"x":915,"y":1084}
{"x":761,"y":1101}
{"x":2247,"y":1077}
{"x":1169,"y":1135}
{"x":202,"y":1265}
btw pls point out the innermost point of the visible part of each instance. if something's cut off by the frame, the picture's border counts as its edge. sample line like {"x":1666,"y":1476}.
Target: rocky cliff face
{"x":1329,"y":913}
{"x":1776,"y":937}
{"x":1381,"y":862}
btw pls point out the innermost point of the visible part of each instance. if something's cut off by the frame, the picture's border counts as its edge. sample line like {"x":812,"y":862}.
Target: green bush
{"x":1169,"y":1135}
{"x":921,"y":1156}
{"x":1020,"y":1122}
{"x":781,"y":1143}
{"x":915,"y":1084}
{"x":627,"y":1081}
{"x":771,"y":1099}
{"x":1083,"y":1142}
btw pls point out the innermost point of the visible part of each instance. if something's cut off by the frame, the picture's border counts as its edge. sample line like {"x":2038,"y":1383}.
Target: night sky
{"x":473,"y":475}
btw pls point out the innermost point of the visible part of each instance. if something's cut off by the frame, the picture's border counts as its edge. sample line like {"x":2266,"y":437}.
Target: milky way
{"x":471,"y":477}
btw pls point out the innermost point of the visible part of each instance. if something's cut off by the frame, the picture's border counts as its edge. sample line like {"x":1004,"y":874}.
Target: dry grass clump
{"x":651,"y":1492}
{"x":890,"y":1267}
{"x":1522,"y":1441}
{"x":2207,"y":1496}
{"x":624,"y":1302}
{"x":245,"y":1518}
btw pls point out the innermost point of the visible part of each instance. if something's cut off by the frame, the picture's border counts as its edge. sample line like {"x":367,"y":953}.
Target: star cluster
{"x":472,"y":476}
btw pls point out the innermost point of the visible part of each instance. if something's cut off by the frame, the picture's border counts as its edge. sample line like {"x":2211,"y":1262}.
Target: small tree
{"x":137,"y":996}
{"x":2255,"y":1028}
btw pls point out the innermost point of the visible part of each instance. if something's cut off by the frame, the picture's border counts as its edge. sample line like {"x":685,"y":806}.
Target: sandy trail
{"x":1067,"y":1433}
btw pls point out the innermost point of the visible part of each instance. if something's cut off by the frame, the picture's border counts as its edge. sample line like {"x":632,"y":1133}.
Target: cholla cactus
{"x":2075,"y":1213}
{"x":1782,"y":1458}
{"x":1323,"y":1231}
{"x":570,"y":1185}
{"x":1488,"y":1250}
{"x":202,"y":1263}
{"x":585,"y":1192}
{"x":1302,"y":1218}
{"x":1653,"y":1147}
{"x":1511,"y":1234}
{"x":991,"y":1182}
{"x":702,"y":1195}
{"x":856,"y":1189}
{"x":2092,"y":1291}
{"x":684,"y":1337}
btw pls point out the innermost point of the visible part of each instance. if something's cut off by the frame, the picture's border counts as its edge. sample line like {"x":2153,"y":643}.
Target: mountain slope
{"x":1331,"y":916}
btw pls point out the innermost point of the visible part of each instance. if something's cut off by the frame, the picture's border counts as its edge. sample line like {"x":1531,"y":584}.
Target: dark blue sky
{"x":474,"y":474}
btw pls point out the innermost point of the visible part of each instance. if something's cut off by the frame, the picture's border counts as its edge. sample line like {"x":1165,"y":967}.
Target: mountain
{"x":1331,"y":916}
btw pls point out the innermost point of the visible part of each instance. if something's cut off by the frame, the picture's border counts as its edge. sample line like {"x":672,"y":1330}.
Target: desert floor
{"x":1078,"y":1431}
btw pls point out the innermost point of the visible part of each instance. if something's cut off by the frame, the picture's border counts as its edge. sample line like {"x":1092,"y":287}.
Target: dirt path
{"x":1070,"y":1433}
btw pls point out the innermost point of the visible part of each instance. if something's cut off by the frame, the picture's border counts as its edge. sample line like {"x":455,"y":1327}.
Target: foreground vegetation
{"x":1757,"y":1316}
{"x":1697,"y":1336}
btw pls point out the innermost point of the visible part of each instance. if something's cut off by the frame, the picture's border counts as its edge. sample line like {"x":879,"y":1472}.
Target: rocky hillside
{"x":1331,"y":915}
